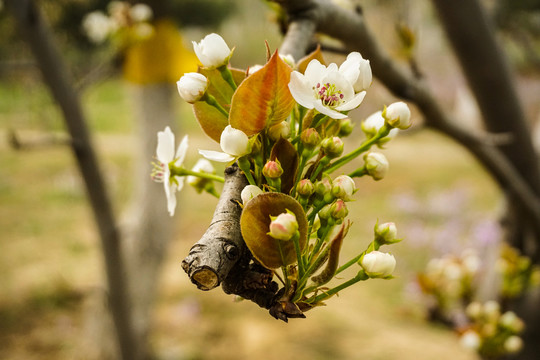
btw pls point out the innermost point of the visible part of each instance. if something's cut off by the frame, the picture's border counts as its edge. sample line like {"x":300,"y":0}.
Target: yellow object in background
{"x":162,"y":57}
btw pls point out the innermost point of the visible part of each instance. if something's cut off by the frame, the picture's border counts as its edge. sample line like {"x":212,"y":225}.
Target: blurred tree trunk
{"x":472,"y":37}
{"x":37,"y":34}
{"x":148,"y":226}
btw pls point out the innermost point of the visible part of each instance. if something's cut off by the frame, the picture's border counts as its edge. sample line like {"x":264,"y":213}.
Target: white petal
{"x":300,"y":90}
{"x":341,"y":83}
{"x":181,"y":152}
{"x":171,"y":199}
{"x":352,"y":103}
{"x":216,"y":155}
{"x":327,"y":111}
{"x":350,"y":68}
{"x":314,"y":71}
{"x":234,"y":141}
{"x":165,"y":146}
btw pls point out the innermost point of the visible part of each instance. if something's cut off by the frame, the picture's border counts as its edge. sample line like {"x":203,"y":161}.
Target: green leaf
{"x":287,"y":156}
{"x":255,"y":223}
{"x":263,"y":98}
{"x":210,"y":119}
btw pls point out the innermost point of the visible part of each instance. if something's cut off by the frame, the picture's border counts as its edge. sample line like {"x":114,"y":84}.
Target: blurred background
{"x":51,"y":260}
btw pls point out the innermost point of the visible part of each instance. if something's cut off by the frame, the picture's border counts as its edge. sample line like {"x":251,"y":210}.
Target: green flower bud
{"x":272,"y":170}
{"x":305,"y":188}
{"x":345,"y":127}
{"x":332,"y":147}
{"x":310,"y":138}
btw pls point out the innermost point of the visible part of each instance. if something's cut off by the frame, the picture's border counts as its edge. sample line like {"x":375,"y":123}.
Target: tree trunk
{"x":148,"y":226}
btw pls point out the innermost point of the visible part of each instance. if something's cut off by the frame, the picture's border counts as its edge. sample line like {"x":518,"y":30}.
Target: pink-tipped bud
{"x":305,"y":188}
{"x":339,"y":210}
{"x":310,"y":138}
{"x":284,"y":226}
{"x":272,"y":170}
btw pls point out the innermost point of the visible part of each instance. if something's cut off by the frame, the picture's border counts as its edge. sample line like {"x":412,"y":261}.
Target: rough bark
{"x":37,"y":34}
{"x":222,"y":257}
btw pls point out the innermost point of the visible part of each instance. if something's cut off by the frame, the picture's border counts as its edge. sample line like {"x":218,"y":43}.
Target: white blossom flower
{"x":192,"y":86}
{"x":284,"y":226}
{"x":212,"y":51}
{"x":378,"y":264}
{"x":328,"y":90}
{"x":249,"y":192}
{"x":233,"y":142}
{"x":398,"y":115}
{"x":167,"y":159}
{"x":97,"y":26}
{"x":140,"y":12}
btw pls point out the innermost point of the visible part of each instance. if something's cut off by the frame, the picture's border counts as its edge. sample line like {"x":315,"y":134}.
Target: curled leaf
{"x":255,"y":222}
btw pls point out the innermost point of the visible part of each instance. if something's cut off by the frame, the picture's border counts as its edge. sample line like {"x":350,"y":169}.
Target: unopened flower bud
{"x":234,"y":142}
{"x":343,"y":187}
{"x":212,"y":51}
{"x":332,"y":147}
{"x":470,"y":340}
{"x":398,"y":115}
{"x":204,"y":166}
{"x":326,"y":212}
{"x":377,"y":264}
{"x":272,"y":170}
{"x":386,"y":233}
{"x":192,"y":87}
{"x":280,"y":130}
{"x":345,"y":127}
{"x":284,"y":226}
{"x":310,"y":138}
{"x":323,"y":189}
{"x":373,"y":124}
{"x":249,"y":192}
{"x":339,"y":210}
{"x":513,"y":344}
{"x":376,"y":165}
{"x":305,"y":188}
{"x":253,"y":69}
{"x":288,"y":59}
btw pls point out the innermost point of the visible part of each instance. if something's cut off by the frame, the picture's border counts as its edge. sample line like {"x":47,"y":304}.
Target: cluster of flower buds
{"x":449,"y":280}
{"x":121,"y":16}
{"x":491,"y":333}
{"x":517,"y":271}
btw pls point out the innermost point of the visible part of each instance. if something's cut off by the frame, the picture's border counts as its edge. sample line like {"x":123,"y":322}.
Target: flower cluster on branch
{"x":284,"y":124}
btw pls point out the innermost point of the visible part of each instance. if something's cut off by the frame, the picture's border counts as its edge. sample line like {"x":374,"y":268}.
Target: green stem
{"x":296,"y":242}
{"x":245,"y":166}
{"x":361,"y":276}
{"x":363,"y":148}
{"x":210,"y":100}
{"x":180,"y":171}
{"x":372,"y":246}
{"x":227,"y":75}
{"x":358,"y":173}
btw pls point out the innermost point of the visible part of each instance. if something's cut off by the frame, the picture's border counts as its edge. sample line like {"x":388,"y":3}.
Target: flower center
{"x":158,"y":171}
{"x":329,"y":94}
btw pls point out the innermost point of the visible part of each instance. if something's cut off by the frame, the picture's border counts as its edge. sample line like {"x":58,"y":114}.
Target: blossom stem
{"x":211,"y":100}
{"x":385,"y":130}
{"x":227,"y":75}
{"x":180,"y":171}
{"x":296,"y":241}
{"x":359,"y":172}
{"x":361,"y":276}
{"x":245,"y":166}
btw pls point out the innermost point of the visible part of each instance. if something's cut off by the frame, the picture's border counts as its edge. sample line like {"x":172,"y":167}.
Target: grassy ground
{"x":50,"y":259}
